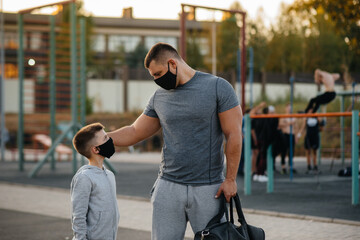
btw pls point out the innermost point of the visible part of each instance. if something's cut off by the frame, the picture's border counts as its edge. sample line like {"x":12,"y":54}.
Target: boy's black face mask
{"x":107,"y":149}
{"x":168,"y":80}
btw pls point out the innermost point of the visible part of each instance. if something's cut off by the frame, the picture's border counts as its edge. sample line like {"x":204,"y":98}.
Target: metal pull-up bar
{"x":243,"y":45}
{"x":303,"y":115}
{"x":354,"y":149}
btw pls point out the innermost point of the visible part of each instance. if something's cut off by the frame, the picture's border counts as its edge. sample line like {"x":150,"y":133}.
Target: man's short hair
{"x":82,"y":139}
{"x":160,"y":52}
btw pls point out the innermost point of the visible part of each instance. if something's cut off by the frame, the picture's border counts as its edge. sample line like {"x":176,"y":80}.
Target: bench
{"x":43,"y":141}
{"x":41,"y":144}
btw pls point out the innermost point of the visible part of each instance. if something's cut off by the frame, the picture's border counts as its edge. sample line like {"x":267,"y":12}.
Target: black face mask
{"x":168,"y":80}
{"x":107,"y":149}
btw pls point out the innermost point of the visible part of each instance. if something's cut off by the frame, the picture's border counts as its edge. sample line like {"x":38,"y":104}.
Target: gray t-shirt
{"x":193,"y":152}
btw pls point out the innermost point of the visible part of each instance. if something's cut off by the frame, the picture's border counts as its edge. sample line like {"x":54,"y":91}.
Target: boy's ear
{"x":95,"y":150}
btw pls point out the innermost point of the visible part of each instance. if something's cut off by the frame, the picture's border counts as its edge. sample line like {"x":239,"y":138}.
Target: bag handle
{"x":239,"y":211}
{"x":223,"y":210}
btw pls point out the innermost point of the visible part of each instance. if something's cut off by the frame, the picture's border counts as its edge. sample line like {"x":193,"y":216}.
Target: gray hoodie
{"x":95,"y":213}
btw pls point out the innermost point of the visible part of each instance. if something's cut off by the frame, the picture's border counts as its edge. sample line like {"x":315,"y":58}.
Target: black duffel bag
{"x":217,"y":230}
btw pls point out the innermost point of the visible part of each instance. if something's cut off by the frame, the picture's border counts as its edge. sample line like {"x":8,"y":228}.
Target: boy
{"x":95,"y":213}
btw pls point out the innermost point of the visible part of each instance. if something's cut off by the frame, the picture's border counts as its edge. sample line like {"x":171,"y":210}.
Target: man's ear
{"x":172,"y":63}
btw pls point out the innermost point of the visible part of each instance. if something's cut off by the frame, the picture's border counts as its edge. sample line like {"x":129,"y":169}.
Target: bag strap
{"x":239,"y":211}
{"x":222,"y":210}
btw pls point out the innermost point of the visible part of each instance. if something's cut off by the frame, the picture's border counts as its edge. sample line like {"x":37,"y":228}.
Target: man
{"x":266,"y":128}
{"x":313,"y":126}
{"x":194,"y":110}
{"x":284,"y":125}
{"x":328,"y":79}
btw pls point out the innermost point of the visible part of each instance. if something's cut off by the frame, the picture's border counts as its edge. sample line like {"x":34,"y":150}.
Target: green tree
{"x":286,"y":44}
{"x":345,"y":16}
{"x":194,"y":57}
{"x":324,"y":48}
{"x":228,"y":37}
{"x":257,"y":36}
{"x":64,"y":38}
{"x":135,"y":58}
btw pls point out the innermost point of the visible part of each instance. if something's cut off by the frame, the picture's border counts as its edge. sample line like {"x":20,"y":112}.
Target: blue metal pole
{"x":291,"y":128}
{"x":353,"y":96}
{"x":247,"y":156}
{"x":355,"y":157}
{"x":251,"y":74}
{"x":270,"y":170}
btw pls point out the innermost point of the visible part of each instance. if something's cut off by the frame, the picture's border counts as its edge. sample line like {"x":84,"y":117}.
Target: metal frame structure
{"x":2,"y":85}
{"x":270,"y":186}
{"x":74,"y":126}
{"x":243,"y":45}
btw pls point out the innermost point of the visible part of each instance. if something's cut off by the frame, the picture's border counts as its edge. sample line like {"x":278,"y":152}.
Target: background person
{"x":328,"y":80}
{"x":285,"y":124}
{"x":313,"y":126}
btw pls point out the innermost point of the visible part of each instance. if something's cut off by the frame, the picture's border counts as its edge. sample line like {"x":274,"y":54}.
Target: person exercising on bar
{"x":328,"y":79}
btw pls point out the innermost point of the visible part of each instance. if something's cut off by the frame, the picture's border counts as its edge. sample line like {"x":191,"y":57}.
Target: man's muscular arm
{"x":142,"y":128}
{"x":231,"y":121}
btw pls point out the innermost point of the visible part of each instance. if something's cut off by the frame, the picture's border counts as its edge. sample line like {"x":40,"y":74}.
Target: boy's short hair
{"x":84,"y":136}
{"x":160,"y":52}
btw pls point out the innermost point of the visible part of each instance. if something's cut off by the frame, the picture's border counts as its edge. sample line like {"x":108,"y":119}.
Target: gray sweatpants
{"x":174,"y":204}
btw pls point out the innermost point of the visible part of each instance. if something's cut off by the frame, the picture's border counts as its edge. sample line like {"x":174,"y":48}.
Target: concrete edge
{"x":246,"y":210}
{"x":301,"y":217}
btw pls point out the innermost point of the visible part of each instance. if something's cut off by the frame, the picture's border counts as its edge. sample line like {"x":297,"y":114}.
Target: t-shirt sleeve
{"x":226,"y":97}
{"x":149,"y":109}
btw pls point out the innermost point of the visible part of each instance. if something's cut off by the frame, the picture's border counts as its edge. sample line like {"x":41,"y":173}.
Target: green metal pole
{"x":82,"y":75}
{"x":355,"y":157}
{"x":270,"y":170}
{"x":20,"y":133}
{"x":247,"y":147}
{"x":83,"y":70}
{"x":73,"y":76}
{"x":2,"y":85}
{"x":52,"y":87}
{"x":342,"y":124}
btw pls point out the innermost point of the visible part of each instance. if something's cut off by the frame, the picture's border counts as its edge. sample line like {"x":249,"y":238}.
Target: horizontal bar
{"x":348,"y":93}
{"x":303,"y":115}
{"x":29,"y":10}
{"x":212,"y":8}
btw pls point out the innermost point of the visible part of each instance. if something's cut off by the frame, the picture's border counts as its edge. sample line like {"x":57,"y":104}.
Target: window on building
{"x":10,"y":40}
{"x":203,"y":43}
{"x":35,"y":41}
{"x":11,"y":70}
{"x":150,"y":41}
{"x":98,"y":43}
{"x":129,"y":43}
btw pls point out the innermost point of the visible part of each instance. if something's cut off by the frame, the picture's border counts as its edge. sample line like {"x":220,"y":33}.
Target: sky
{"x":163,"y":9}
